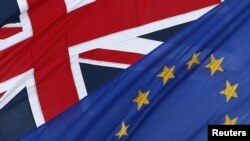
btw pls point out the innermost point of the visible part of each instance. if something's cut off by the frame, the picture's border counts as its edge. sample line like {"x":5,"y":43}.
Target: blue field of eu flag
{"x":197,"y":78}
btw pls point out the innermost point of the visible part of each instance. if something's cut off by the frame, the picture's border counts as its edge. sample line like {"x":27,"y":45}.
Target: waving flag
{"x":174,"y":92}
{"x":54,"y":53}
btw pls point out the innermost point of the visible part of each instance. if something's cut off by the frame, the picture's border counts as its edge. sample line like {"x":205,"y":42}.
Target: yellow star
{"x":228,"y":121}
{"x":215,"y":65}
{"x":123,"y":131}
{"x":194,"y":60}
{"x":230,"y":91}
{"x":141,"y":99}
{"x":166,"y":74}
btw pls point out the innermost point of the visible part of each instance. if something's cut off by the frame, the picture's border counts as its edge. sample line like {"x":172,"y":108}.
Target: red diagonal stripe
{"x":7,"y":32}
{"x":111,"y":56}
{"x":1,"y":94}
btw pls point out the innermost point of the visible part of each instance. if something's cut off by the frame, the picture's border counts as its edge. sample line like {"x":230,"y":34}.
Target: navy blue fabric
{"x":96,"y":76}
{"x":180,"y":110}
{"x":9,"y":12}
{"x":165,"y":34}
{"x":16,"y":118}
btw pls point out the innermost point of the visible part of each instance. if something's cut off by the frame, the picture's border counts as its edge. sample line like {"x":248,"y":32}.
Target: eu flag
{"x":197,"y":78}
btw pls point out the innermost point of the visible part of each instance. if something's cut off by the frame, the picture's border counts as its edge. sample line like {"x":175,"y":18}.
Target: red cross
{"x":53,"y":32}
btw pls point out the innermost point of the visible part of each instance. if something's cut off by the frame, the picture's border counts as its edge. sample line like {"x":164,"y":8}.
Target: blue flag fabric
{"x":199,"y":77}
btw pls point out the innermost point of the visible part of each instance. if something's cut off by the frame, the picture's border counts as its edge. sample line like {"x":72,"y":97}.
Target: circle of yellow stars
{"x":167,"y":73}
{"x":229,"y":91}
{"x":214,"y":66}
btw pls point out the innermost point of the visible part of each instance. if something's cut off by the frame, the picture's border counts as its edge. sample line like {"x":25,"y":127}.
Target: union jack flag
{"x":53,"y":53}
